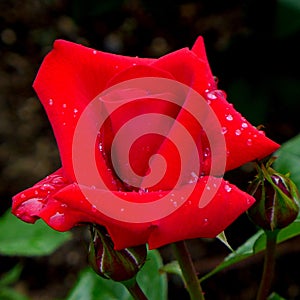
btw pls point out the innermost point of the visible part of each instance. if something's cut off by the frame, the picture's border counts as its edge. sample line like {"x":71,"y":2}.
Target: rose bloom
{"x":70,"y":78}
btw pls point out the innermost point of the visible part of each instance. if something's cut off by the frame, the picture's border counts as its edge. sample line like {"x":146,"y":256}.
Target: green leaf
{"x":222,"y":237}
{"x":275,"y":296}
{"x":153,"y":282}
{"x":11,"y":294}
{"x":288,"y":160}
{"x":93,"y":287}
{"x":254,"y":245}
{"x":287,"y":17}
{"x":11,"y":276}
{"x":172,"y":268}
{"x":243,"y":252}
{"x":22,"y":239}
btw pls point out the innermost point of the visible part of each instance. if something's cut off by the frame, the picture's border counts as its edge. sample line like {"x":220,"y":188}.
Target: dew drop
{"x":208,"y":188}
{"x":211,"y":96}
{"x":47,"y":187}
{"x":94,"y":52}
{"x":244,"y":125}
{"x":94,"y":208}
{"x":227,"y":188}
{"x":175,"y":204}
{"x":122,"y":209}
{"x":23,"y":196}
{"x":229,"y":117}
{"x":51,"y":102}
{"x":75,"y":110}
{"x":206,"y":152}
{"x":249,"y":142}
{"x":64,"y":105}
{"x":57,"y":218}
{"x":205,"y":221}
{"x":100,"y":147}
{"x":134,"y":64}
{"x":238,"y":132}
{"x":224,"y":130}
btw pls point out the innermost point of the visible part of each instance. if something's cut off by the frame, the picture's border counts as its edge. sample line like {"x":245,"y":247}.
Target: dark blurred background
{"x":253,"y":48}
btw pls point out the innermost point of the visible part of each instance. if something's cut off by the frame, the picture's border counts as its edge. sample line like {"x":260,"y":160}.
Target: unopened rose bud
{"x":277,"y":199}
{"x":118,"y":265}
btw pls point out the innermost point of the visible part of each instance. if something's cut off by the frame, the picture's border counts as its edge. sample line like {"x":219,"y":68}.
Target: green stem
{"x":188,"y":270}
{"x":269,"y":265}
{"x":134,"y":289}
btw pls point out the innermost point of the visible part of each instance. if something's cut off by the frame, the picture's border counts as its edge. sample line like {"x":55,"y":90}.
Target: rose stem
{"x":188,"y":270}
{"x":134,"y":289}
{"x":269,"y":265}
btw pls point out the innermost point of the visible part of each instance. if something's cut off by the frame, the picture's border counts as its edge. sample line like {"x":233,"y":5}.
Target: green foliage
{"x":18,"y":238}
{"x":275,"y":296}
{"x":254,"y":245}
{"x":288,"y":160}
{"x":7,"y":292}
{"x":93,"y":287}
{"x":287,"y":17}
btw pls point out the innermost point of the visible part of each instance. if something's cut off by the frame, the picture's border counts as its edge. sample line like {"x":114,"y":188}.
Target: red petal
{"x":187,"y":68}
{"x":66,"y":206}
{"x":199,"y":49}
{"x":69,"y":78}
{"x":243,"y":141}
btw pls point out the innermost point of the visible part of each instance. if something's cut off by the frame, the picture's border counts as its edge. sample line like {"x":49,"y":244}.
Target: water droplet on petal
{"x":227,"y":188}
{"x":57,"y":219}
{"x":206,"y":152}
{"x":224,"y":130}
{"x":211,"y":96}
{"x":47,"y":187}
{"x":94,"y":52}
{"x":249,"y":142}
{"x":64,"y":105}
{"x":238,"y":132}
{"x":244,"y":125}
{"x":51,"y":102}
{"x":205,"y":221}
{"x":215,"y":94}
{"x":229,"y":117}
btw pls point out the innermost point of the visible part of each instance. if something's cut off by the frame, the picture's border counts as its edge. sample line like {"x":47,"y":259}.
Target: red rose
{"x":71,"y":78}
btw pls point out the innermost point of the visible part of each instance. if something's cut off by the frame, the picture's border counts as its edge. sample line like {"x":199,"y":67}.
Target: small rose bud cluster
{"x":118,"y":265}
{"x":277,"y":199}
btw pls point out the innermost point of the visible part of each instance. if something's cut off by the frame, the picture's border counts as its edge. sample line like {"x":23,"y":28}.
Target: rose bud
{"x":276,"y":197}
{"x":113,"y":264}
